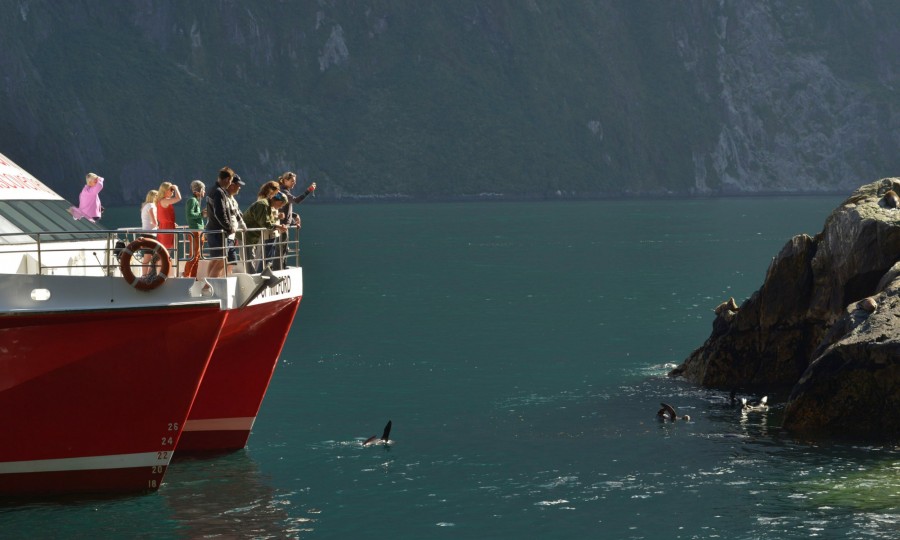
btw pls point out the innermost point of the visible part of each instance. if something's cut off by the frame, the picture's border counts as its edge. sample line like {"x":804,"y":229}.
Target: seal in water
{"x":385,"y":436}
{"x":668,"y":413}
{"x":761,"y":405}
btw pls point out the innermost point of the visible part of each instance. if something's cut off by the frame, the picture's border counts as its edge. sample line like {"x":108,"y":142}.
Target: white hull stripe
{"x":118,"y":461}
{"x":220,"y":424}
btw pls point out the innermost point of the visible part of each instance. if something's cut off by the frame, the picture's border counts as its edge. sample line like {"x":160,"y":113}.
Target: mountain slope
{"x":440,"y":99}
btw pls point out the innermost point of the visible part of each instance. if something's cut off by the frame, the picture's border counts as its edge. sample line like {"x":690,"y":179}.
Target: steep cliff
{"x":434,"y":99}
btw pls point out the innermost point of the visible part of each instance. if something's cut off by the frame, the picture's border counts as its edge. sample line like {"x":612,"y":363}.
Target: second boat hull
{"x":237,"y":378}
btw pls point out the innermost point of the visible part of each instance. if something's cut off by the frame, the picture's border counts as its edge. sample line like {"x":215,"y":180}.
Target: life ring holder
{"x":145,"y":283}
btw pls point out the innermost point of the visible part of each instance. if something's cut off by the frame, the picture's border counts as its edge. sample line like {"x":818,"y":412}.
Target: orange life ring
{"x":145,"y":283}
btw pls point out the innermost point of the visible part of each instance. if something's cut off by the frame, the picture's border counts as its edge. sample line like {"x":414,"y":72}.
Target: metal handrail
{"x":99,"y":250}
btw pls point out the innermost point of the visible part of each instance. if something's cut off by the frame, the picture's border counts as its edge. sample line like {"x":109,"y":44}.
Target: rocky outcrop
{"x":852,"y":388}
{"x":824,"y":324}
{"x":764,"y":342}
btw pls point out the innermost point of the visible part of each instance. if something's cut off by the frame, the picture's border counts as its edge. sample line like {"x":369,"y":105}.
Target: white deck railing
{"x":96,"y":253}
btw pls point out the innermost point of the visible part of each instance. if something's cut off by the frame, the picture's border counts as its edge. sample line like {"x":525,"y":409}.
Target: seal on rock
{"x":867,"y":304}
{"x":727,"y":310}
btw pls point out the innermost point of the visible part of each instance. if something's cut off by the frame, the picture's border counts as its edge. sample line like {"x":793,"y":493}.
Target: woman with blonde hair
{"x":165,"y":211}
{"x":149,"y":222}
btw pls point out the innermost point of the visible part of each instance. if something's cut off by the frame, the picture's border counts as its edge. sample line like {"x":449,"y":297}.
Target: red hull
{"x":96,"y":401}
{"x":97,"y":481}
{"x":238,"y":375}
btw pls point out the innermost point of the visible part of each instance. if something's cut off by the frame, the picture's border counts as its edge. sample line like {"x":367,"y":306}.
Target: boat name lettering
{"x":281,"y":288}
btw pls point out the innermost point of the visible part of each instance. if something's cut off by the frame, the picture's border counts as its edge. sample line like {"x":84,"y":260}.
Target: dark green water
{"x":521,"y":351}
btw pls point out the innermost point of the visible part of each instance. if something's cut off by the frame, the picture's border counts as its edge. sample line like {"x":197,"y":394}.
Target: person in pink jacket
{"x":89,"y":201}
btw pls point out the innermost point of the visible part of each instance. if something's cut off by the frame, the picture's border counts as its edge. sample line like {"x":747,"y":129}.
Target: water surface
{"x":520,"y":350}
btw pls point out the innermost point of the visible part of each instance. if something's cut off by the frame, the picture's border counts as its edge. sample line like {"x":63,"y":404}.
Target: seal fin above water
{"x":668,"y":413}
{"x":385,"y":435}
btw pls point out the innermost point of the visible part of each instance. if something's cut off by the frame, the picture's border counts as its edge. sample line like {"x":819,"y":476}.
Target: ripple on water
{"x":551,"y":503}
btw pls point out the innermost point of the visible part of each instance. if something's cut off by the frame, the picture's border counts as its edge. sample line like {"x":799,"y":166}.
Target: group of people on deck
{"x":262,"y":227}
{"x":271,"y":213}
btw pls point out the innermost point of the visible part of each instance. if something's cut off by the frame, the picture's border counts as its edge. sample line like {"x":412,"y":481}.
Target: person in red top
{"x":165,"y":211}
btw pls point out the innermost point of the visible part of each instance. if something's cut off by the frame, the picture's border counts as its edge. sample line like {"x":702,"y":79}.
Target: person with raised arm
{"x":165,"y":212}
{"x":287,"y":182}
{"x":89,"y":207}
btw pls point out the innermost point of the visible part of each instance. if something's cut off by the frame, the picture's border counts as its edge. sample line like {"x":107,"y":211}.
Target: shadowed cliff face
{"x":438,"y":99}
{"x":824,"y":324}
{"x":852,"y":389}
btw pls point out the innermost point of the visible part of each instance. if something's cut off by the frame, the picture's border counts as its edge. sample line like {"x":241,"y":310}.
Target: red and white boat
{"x":98,"y":378}
{"x":238,"y":375}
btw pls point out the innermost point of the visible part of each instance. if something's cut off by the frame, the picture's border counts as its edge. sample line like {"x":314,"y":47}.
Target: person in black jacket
{"x":220,"y":225}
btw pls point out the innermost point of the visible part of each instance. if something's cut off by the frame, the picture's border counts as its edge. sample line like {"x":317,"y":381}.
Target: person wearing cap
{"x":287,"y":182}
{"x":237,"y":237}
{"x":262,"y":220}
{"x":219,"y":223}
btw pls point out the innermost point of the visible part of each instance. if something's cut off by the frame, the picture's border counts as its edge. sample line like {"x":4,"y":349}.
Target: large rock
{"x":852,"y":389}
{"x":805,"y":329}
{"x":766,"y":342}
